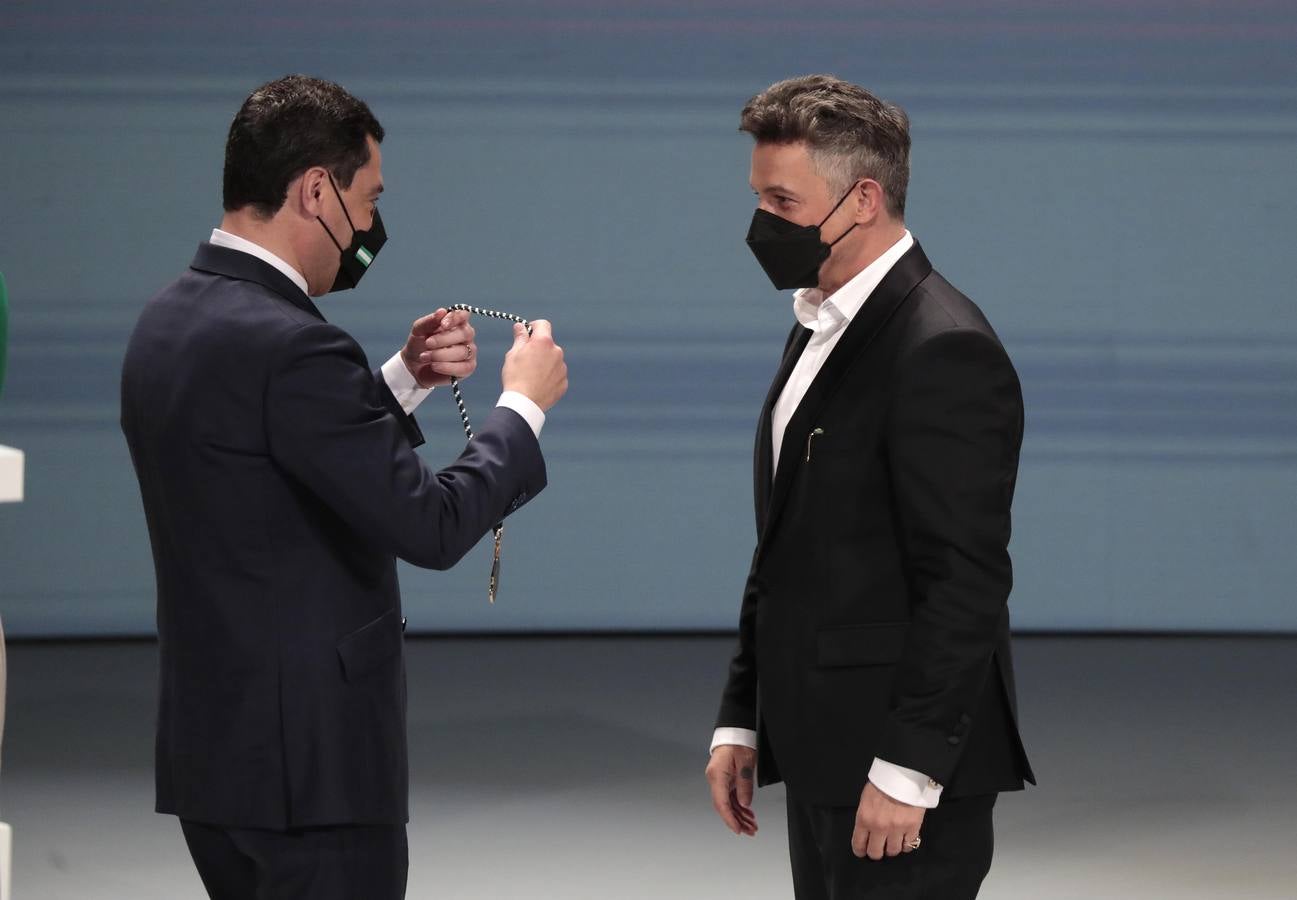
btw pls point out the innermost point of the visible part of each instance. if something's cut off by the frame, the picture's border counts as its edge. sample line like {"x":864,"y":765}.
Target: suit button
{"x":953,"y":740}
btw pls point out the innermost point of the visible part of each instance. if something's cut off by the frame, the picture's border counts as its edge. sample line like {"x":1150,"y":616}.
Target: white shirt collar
{"x":824,"y":315}
{"x":243,"y":245}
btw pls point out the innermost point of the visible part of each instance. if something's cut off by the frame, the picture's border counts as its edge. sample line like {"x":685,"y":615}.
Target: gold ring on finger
{"x":914,"y":844}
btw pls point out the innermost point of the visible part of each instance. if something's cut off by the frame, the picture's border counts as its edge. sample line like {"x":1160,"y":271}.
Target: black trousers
{"x":954,"y":857}
{"x":342,"y":862}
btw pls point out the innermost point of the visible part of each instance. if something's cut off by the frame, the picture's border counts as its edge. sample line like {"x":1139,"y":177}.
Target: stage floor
{"x":573,"y":768}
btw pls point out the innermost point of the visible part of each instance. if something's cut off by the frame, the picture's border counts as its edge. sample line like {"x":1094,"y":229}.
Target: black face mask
{"x":791,"y":254}
{"x":362,"y":250}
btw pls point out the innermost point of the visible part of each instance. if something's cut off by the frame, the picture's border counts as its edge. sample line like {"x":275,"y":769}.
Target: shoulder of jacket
{"x":938,"y":306}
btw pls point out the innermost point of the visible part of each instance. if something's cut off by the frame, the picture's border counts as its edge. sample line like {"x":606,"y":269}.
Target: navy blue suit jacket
{"x":280,"y":485}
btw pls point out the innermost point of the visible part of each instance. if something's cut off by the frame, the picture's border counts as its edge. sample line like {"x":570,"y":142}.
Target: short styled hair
{"x":284,"y":128}
{"x":851,"y":133}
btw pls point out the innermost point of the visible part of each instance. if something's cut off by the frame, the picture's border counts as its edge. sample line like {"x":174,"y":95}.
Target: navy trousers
{"x":343,"y":862}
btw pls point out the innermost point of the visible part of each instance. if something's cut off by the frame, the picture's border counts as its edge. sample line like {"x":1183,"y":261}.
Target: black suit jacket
{"x":280,"y":485}
{"x":874,"y":618}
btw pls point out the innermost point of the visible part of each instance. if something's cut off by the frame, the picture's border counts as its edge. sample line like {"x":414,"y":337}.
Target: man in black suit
{"x":280,"y":485}
{"x":873,"y":672}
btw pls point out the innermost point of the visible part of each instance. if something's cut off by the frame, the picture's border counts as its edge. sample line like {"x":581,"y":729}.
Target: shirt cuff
{"x":740,"y":737}
{"x":905,"y":785}
{"x":525,"y":407}
{"x":402,"y":384}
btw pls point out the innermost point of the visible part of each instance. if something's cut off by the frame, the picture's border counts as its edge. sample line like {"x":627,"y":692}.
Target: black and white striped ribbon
{"x":494,"y":583}
{"x":454,"y":382}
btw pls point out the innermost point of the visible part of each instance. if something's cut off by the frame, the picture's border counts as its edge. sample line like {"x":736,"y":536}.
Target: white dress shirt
{"x":400,"y":381}
{"x":828,"y":318}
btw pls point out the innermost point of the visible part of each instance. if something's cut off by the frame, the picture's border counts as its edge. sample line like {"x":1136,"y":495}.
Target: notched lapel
{"x":882,"y":304}
{"x":245,"y":267}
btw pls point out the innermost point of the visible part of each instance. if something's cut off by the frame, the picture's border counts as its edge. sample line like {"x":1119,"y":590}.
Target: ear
{"x":870,"y":202}
{"x":311,"y":188}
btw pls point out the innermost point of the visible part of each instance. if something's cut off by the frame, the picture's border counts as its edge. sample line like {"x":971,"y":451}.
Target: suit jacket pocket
{"x":879,"y":643}
{"x":368,"y":647}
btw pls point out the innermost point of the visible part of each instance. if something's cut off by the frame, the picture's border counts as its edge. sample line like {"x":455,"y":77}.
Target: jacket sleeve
{"x":331,"y":430}
{"x":739,"y":699}
{"x":406,"y":420}
{"x":954,"y":432}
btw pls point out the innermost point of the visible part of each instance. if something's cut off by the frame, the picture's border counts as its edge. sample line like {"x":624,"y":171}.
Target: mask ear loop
{"x":849,"y":192}
{"x":330,"y":234}
{"x":844,"y":234}
{"x":343,"y":204}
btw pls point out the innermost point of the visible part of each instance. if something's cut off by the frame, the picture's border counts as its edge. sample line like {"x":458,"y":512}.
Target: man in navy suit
{"x":280,"y":485}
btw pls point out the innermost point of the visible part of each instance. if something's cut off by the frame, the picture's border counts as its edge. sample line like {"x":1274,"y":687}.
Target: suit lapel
{"x":891,"y":292}
{"x":246,"y":267}
{"x":762,"y":456}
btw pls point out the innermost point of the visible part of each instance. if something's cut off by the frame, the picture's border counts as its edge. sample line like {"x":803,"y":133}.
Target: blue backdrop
{"x":1113,"y":182}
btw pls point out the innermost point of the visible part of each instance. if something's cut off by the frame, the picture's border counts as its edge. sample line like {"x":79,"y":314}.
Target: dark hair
{"x":286,"y":127}
{"x":851,"y":133}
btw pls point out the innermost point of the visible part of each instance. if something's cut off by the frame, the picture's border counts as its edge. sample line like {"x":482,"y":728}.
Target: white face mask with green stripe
{"x":358,"y":255}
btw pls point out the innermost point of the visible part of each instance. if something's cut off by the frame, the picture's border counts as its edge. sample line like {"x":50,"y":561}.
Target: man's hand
{"x":731,"y":773}
{"x":440,"y":345}
{"x":534,"y":366}
{"x":884,"y":827}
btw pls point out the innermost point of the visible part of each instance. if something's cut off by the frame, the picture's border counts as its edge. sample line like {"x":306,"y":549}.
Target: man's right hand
{"x":534,"y":366}
{"x":731,"y":774}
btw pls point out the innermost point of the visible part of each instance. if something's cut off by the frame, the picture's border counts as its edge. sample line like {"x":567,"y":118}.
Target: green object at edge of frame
{"x":4,"y":330}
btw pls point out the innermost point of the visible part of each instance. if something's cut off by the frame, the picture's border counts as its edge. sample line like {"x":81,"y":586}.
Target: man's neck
{"x":263,"y":233}
{"x":877,"y":241}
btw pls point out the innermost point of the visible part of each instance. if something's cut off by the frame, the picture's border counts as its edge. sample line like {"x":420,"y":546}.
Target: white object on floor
{"x":11,"y":480}
{"x":6,"y":858}
{"x":11,"y":490}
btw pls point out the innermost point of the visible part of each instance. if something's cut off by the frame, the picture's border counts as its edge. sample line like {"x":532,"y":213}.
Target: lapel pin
{"x":809,"y":438}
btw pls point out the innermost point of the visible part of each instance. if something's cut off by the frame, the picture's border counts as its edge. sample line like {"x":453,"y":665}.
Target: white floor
{"x":572,"y":768}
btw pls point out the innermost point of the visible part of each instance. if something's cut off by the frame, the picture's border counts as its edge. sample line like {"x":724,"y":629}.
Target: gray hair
{"x":851,"y":134}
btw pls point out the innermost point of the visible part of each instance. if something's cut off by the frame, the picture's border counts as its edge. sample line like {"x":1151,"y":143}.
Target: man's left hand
{"x":441,"y":345}
{"x":884,"y":827}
